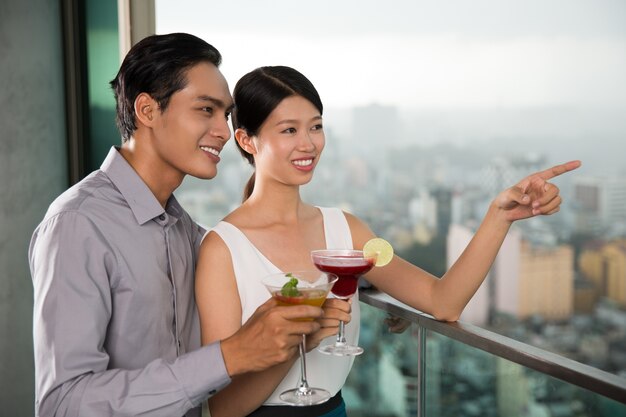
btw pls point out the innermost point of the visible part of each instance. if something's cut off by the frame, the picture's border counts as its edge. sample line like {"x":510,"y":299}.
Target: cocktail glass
{"x":312,"y":288}
{"x":348,"y":265}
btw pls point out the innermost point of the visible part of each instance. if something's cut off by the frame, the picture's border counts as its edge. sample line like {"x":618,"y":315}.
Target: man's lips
{"x":211,"y":150}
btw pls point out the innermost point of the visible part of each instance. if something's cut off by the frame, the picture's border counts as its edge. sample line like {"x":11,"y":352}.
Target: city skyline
{"x":529,"y":77}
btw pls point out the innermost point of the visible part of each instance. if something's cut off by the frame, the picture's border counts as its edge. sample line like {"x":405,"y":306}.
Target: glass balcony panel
{"x":383,"y":380}
{"x":458,"y":379}
{"x":464,"y":381}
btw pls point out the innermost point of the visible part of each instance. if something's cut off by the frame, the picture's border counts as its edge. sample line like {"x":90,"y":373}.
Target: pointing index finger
{"x":559,"y":169}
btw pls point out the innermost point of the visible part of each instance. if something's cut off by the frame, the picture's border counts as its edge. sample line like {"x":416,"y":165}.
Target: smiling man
{"x":115,"y":323}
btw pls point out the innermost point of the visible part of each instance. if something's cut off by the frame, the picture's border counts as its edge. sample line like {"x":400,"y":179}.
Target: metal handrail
{"x":570,"y":371}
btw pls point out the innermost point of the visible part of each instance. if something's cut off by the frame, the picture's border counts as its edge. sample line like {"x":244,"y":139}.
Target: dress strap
{"x":336,"y":229}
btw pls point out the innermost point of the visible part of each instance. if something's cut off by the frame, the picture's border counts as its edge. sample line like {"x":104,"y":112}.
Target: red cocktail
{"x":348,"y":265}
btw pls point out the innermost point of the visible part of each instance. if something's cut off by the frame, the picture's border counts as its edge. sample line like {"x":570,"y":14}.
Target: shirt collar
{"x":142,"y":202}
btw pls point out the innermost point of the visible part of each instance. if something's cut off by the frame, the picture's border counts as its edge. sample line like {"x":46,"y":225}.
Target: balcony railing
{"x":461,"y":369}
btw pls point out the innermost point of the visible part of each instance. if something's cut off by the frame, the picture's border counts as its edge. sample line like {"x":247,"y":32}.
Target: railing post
{"x":421,"y":371}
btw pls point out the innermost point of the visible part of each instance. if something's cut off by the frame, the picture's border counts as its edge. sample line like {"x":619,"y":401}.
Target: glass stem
{"x":303,"y":387}
{"x":341,"y":339}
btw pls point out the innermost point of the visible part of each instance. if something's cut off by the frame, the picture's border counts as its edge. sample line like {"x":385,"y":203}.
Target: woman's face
{"x":290,"y":142}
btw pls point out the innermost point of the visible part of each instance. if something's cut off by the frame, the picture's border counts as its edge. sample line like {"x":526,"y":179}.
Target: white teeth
{"x":303,"y":162}
{"x":210,"y":150}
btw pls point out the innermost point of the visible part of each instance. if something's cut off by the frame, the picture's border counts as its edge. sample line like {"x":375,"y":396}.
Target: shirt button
{"x":162,"y":217}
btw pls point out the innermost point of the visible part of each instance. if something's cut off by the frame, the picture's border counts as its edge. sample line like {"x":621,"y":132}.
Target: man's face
{"x":191,"y":132}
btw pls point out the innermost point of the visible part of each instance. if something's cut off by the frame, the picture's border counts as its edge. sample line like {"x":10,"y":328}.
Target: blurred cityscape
{"x":459,"y":380}
{"x":559,"y":282}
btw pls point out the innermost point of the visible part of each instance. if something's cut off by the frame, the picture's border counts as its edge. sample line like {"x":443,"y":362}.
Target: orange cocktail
{"x":301,"y":288}
{"x":307,"y":296}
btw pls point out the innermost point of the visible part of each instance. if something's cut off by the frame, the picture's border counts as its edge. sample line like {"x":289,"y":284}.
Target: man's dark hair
{"x":157,"y":65}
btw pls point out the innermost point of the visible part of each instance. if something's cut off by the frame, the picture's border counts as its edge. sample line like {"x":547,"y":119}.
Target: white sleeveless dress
{"x":250,"y":266}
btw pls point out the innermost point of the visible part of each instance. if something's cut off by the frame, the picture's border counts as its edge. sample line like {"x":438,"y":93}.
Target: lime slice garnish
{"x":380,"y":248}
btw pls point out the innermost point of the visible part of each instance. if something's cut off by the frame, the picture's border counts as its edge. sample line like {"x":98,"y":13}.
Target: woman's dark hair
{"x":258,"y":93}
{"x":157,"y":65}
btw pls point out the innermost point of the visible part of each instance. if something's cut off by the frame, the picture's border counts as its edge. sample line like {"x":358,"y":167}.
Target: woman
{"x":279,"y":130}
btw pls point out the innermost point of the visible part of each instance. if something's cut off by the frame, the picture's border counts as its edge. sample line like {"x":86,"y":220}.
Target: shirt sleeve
{"x":71,"y":263}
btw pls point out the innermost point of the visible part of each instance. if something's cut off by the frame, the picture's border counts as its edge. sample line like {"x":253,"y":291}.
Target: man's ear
{"x":245,"y":141}
{"x":146,"y":108}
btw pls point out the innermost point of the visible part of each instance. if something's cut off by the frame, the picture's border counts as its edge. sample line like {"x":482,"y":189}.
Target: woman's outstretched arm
{"x":446,"y":297}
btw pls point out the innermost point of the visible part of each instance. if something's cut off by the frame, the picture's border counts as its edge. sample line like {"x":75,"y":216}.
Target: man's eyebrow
{"x":216,"y":102}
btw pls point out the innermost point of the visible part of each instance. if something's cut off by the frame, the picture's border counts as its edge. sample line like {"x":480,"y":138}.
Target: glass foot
{"x":341,"y":350}
{"x":302,"y":398}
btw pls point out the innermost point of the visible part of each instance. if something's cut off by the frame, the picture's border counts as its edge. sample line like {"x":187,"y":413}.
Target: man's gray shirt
{"x":116,"y":327}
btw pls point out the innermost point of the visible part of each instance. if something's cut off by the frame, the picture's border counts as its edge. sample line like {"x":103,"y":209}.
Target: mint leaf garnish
{"x":290,"y":289}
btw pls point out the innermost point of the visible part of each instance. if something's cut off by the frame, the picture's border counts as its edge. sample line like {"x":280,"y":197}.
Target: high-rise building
{"x":423,"y":210}
{"x":585,"y":295}
{"x":600,"y":203}
{"x":477,"y":310}
{"x":512,"y":389}
{"x":432,"y":366}
{"x":506,"y":281}
{"x":431,"y":210}
{"x":443,"y":199}
{"x":546,"y":285}
{"x":591,"y":265}
{"x":605,"y":266}
{"x":525,"y":279}
{"x":392,"y":386}
{"x":615,"y":255}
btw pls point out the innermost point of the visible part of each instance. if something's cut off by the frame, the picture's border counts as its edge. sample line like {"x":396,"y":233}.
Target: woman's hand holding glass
{"x":335,"y":310}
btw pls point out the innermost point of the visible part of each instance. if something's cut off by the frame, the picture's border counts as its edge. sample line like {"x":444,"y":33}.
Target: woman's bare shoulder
{"x":242,"y":217}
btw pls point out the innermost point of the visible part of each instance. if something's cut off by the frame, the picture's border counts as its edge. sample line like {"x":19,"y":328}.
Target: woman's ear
{"x":245,"y":141}
{"x":146,"y":109}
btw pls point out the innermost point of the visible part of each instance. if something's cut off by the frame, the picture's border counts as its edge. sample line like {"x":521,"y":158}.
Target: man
{"x":115,"y":322}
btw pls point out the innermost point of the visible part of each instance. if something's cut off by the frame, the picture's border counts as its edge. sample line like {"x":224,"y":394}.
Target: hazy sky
{"x":465,"y":54}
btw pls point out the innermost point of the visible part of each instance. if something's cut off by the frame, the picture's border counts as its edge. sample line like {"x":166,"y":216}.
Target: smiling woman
{"x":294,"y":130}
{"x":277,"y":115}
{"x":427,"y":114}
{"x":288,"y":122}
